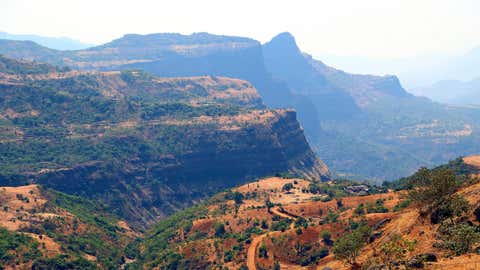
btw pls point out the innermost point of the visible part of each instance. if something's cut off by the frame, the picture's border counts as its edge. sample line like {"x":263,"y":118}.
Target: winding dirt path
{"x":252,"y":249}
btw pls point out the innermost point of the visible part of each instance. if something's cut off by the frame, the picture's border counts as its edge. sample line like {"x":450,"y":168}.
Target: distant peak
{"x":285,"y":41}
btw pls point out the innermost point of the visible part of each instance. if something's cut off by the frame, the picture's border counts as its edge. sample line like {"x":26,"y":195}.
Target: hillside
{"x":453,"y":92}
{"x":58,"y":43}
{"x":45,"y":229}
{"x":361,"y":125}
{"x":176,"y":55}
{"x":371,"y":126}
{"x":281,"y":223}
{"x":144,"y":146}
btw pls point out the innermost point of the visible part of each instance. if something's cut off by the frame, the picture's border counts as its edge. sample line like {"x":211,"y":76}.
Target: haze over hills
{"x":58,"y":43}
{"x":357,"y":123}
{"x":422,"y":75}
{"x":254,"y":144}
{"x":371,"y":122}
{"x":453,"y":92}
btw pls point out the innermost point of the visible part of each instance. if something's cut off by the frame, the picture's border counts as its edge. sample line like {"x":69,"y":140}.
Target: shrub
{"x":459,"y":238}
{"x":477,"y":213}
{"x":228,"y":256}
{"x":360,"y":210}
{"x":326,"y":236}
{"x":262,"y":251}
{"x":348,"y":246}
{"x":396,"y":250}
{"x":402,"y":205}
{"x":287,"y":187}
{"x":219,"y":229}
{"x":456,"y":206}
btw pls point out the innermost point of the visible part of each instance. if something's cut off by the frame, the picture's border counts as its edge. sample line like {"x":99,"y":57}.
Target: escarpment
{"x":219,"y":156}
{"x":142,"y":145}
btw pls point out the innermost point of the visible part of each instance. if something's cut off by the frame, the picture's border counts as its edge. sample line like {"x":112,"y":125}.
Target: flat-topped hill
{"x":145,"y":146}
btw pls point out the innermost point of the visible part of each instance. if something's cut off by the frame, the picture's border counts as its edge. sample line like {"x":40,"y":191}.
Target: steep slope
{"x":45,"y":229}
{"x":143,"y":145}
{"x":296,"y":224}
{"x":285,"y":61}
{"x":362,"y":125}
{"x":372,"y":126}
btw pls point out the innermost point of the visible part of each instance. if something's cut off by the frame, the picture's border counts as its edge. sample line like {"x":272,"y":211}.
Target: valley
{"x":131,"y":141}
{"x":290,"y":223}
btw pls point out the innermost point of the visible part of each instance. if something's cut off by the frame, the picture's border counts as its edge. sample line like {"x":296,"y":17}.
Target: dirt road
{"x":252,"y":250}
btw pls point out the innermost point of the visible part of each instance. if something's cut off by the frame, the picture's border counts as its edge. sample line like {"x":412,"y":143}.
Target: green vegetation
{"x":377,"y":207}
{"x":434,"y":193}
{"x":396,"y":251}
{"x":101,"y":238}
{"x":348,"y":246}
{"x":287,"y":187}
{"x":11,"y":66}
{"x":17,"y":248}
{"x":161,"y":251}
{"x":326,"y":237}
{"x":459,"y":238}
{"x":281,"y":225}
{"x":402,"y":205}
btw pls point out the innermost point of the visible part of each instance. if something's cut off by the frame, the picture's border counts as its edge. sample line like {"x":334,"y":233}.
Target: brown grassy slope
{"x":283,"y":246}
{"x":27,"y":209}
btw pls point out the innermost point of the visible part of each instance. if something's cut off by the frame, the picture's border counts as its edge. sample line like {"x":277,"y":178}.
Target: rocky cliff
{"x":219,"y":157}
{"x":144,"y":146}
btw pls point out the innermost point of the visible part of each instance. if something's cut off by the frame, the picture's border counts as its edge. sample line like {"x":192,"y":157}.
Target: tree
{"x":287,"y":187}
{"x":269,"y":204}
{"x":327,"y":237}
{"x":264,"y":224}
{"x":360,"y":210}
{"x":348,"y":246}
{"x":460,"y":238}
{"x":455,"y":206}
{"x":276,"y":265}
{"x":339,"y":203}
{"x":238,"y":197}
{"x":219,"y":229}
{"x":434,"y":194}
{"x":432,"y":186}
{"x":262,"y":251}
{"x":397,"y":250}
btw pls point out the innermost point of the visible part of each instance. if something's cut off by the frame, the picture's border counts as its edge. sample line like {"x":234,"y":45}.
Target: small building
{"x":357,"y":190}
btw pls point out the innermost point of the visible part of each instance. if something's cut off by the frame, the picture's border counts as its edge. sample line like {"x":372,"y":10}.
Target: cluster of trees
{"x":435,"y":194}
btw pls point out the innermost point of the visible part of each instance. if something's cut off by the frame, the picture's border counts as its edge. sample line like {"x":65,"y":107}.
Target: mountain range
{"x":57,"y":43}
{"x":456,"y":92}
{"x":361,"y":125}
{"x":169,"y":151}
{"x":142,"y":145}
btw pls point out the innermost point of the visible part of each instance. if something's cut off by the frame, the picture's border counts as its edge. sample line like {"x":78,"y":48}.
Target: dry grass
{"x":472,"y":161}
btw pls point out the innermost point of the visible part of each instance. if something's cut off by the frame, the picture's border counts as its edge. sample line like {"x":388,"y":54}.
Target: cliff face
{"x":144,"y":191}
{"x":176,"y":55}
{"x":145,"y":146}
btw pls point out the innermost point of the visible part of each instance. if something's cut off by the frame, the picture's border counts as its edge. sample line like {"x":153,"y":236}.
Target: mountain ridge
{"x":158,"y":144}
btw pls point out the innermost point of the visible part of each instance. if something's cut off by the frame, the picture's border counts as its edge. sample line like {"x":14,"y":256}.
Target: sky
{"x":378,"y":29}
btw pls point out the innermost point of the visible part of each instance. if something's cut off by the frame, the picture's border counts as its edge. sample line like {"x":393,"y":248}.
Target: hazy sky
{"x":371,"y":28}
